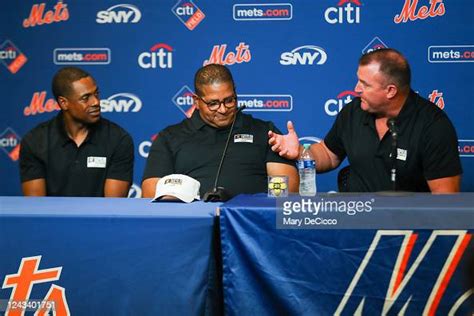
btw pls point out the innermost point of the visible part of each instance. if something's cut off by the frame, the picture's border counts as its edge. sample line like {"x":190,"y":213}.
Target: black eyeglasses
{"x":213,"y":105}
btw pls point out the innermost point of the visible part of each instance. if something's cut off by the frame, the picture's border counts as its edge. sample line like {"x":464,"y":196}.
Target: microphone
{"x":391,"y":123}
{"x":220,"y":194}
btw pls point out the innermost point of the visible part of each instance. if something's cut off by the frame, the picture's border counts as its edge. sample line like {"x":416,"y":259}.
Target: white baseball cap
{"x":180,"y":186}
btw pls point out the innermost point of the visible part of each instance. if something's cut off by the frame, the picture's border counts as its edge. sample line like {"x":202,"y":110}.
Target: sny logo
{"x":437,"y":98}
{"x":120,"y":13}
{"x":409,"y":8}
{"x":342,"y":99}
{"x":39,"y":17}
{"x":304,"y":55}
{"x":22,"y":284}
{"x":121,"y":102}
{"x":188,"y":13}
{"x":374,"y":44}
{"x":10,"y":143}
{"x":242,"y":55}
{"x":161,"y":53}
{"x":342,"y":14}
{"x":37,"y":105}
{"x":184,"y":101}
{"x":11,"y":57}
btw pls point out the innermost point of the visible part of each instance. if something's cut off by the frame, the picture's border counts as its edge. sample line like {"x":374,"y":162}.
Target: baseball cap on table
{"x":180,"y":186}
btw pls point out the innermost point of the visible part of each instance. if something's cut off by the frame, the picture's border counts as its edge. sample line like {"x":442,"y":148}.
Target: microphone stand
{"x":393,"y":172}
{"x":220,"y":194}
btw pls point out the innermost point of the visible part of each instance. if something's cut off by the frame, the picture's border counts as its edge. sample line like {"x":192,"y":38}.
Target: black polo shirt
{"x":47,"y":152}
{"x":427,"y":147}
{"x":194,"y":148}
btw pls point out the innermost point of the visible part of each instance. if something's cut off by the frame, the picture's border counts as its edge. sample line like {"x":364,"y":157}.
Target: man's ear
{"x":392,"y":91}
{"x":63,"y":103}
{"x":196,"y":101}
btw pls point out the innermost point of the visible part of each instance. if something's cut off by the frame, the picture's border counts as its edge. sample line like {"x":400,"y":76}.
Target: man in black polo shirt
{"x":77,"y":153}
{"x":194,"y":146}
{"x":427,"y":157}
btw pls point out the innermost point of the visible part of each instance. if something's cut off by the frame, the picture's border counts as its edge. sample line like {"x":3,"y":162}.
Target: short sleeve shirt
{"x":47,"y":152}
{"x":427,"y":147}
{"x":194,"y":148}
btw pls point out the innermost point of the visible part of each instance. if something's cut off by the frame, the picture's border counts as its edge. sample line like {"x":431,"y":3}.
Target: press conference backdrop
{"x":290,"y":60}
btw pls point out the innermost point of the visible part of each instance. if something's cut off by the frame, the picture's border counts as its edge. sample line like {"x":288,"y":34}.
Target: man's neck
{"x":396,"y":105}
{"x":75,"y":130}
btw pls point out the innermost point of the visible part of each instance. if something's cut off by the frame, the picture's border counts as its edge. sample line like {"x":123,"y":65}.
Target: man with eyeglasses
{"x":194,"y":146}
{"x":77,"y":153}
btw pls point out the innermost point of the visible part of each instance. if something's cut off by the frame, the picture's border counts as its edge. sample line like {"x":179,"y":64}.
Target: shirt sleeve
{"x":273,"y":156}
{"x":121,"y":164}
{"x":31,"y":165}
{"x":160,"y":161}
{"x":440,"y":150}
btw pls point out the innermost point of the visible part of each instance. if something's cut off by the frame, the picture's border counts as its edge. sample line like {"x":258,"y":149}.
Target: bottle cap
{"x":306,"y":146}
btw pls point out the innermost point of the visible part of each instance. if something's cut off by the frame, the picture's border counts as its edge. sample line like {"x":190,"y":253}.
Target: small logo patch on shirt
{"x":96,"y":162}
{"x":243,"y":138}
{"x":401,"y":154}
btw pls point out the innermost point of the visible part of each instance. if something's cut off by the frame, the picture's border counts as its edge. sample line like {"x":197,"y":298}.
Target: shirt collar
{"x":61,"y":129}
{"x":198,"y":122}
{"x":406,"y":112}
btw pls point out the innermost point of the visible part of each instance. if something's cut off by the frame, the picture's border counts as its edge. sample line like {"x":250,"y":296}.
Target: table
{"x":104,"y":256}
{"x":396,"y":264}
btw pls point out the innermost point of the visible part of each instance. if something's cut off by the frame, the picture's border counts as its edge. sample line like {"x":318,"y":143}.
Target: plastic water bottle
{"x":307,"y":171}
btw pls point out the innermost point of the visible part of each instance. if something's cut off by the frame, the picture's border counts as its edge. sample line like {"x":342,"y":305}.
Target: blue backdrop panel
{"x":145,"y":259}
{"x":269,"y":271}
{"x":291,"y":60}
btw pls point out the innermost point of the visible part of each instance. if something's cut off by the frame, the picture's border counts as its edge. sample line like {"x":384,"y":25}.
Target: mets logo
{"x":184,"y":101}
{"x":22,"y":283}
{"x":219,"y":55}
{"x":437,"y":98}
{"x":39,"y":17}
{"x":188,"y":13}
{"x":420,"y":270}
{"x":10,"y":143}
{"x":11,"y":57}
{"x":409,"y":11}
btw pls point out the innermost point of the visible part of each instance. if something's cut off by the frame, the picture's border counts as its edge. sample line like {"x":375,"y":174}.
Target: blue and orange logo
{"x":188,"y":13}
{"x":11,"y":57}
{"x":184,"y":101}
{"x":10,"y":143}
{"x":375,"y":43}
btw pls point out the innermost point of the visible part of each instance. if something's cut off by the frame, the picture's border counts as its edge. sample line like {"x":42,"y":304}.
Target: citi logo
{"x":160,"y":55}
{"x":144,"y":147}
{"x":121,"y":102}
{"x":183,"y":99}
{"x":375,"y":43}
{"x":345,"y":12}
{"x":188,"y":13}
{"x":39,"y":106}
{"x":219,"y":56}
{"x":333,"y":106}
{"x":304,"y":55}
{"x":120,"y":13}
{"x":39,"y":17}
{"x":11,"y":57}
{"x":437,"y":98}
{"x":409,"y":11}
{"x":10,"y":143}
